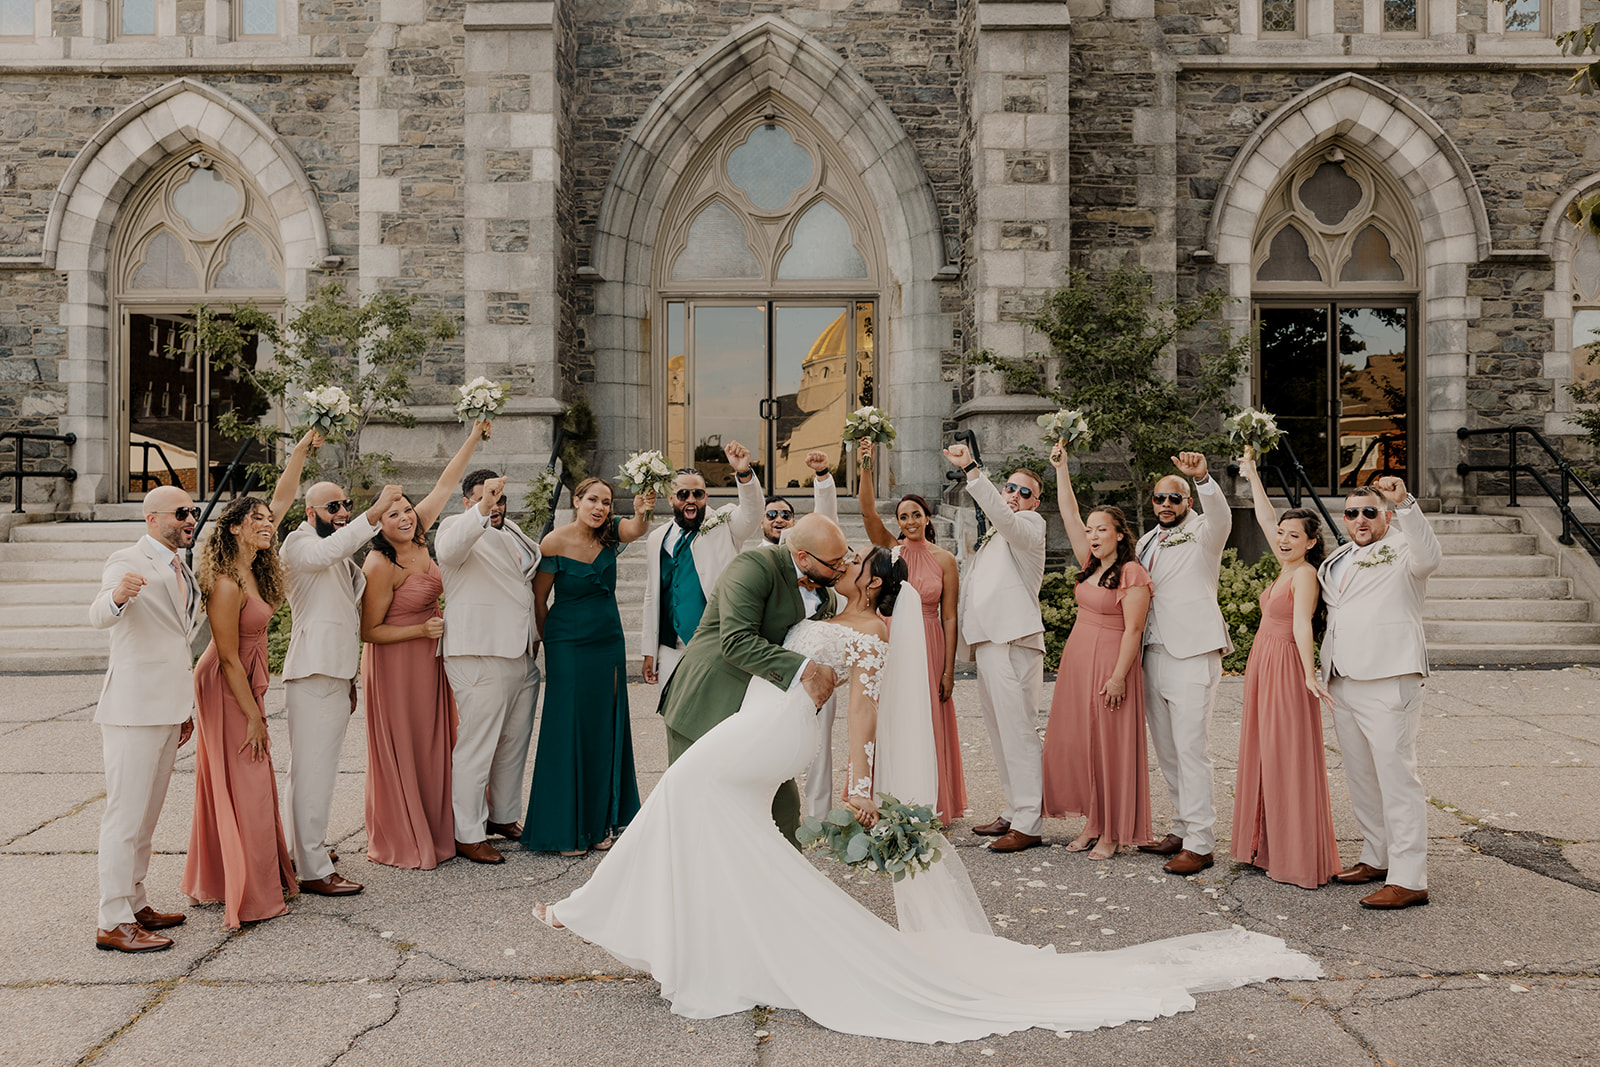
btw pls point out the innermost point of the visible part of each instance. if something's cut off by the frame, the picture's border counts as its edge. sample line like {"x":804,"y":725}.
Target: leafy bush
{"x":278,"y":638}
{"x":1059,"y":605}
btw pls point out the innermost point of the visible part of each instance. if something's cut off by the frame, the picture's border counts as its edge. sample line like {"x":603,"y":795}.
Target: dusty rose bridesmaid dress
{"x":1281,"y":798}
{"x":924,"y":572}
{"x":237,"y":852}
{"x":411,"y":731}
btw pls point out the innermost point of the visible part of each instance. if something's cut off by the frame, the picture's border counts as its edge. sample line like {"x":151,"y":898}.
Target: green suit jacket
{"x":756,"y":601}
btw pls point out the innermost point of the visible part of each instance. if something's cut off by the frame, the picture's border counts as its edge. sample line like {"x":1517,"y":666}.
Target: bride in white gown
{"x":707,"y":895}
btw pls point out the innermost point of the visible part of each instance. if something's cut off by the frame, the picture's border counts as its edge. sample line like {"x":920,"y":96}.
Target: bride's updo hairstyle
{"x":881,"y":564}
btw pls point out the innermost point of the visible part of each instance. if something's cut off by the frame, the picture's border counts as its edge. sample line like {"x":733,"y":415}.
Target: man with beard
{"x":779,"y":515}
{"x":1185,"y":639}
{"x":490,"y":641}
{"x":319,"y":672}
{"x":685,"y":557}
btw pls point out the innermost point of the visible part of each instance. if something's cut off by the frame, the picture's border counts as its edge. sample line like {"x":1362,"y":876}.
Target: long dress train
{"x":1281,"y":799}
{"x":726,"y":928}
{"x":924,"y":574}
{"x":237,"y":852}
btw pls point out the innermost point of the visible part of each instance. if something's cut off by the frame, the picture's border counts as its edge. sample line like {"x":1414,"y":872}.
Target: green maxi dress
{"x":583,"y":780}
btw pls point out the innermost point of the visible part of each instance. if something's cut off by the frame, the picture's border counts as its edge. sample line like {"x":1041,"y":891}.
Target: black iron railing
{"x":1513,"y":469}
{"x":1295,"y":483}
{"x":17,"y":473}
{"x":145,"y":478}
{"x":236,"y":470}
{"x":1385,"y":441}
{"x":555,"y":494}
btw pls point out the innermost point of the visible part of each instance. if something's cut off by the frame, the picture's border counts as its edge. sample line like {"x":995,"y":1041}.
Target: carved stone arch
{"x":1396,"y":136}
{"x":1560,"y":240}
{"x":772,"y":55}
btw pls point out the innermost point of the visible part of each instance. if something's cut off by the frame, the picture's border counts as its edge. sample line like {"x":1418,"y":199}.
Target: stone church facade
{"x":717,"y":220}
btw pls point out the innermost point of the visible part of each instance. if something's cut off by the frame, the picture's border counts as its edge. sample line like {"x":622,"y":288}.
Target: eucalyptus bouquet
{"x":480,"y":400}
{"x":869,"y":424}
{"x":1253,"y":429}
{"x":1067,"y":428}
{"x":646,"y":472}
{"x":536,"y":503}
{"x":907,"y":839}
{"x":329,"y":411}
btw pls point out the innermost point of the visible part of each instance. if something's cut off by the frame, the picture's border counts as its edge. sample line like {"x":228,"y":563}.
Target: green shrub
{"x":1059,"y":605}
{"x":278,"y":638}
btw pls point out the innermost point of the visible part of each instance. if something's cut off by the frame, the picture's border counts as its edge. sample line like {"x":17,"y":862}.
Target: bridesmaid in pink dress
{"x":937,"y":578}
{"x":1094,"y":747}
{"x":411,"y":713}
{"x":237,"y":853}
{"x":1282,"y":815}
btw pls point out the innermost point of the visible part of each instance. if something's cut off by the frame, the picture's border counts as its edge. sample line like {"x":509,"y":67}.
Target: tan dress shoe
{"x":151,"y":919}
{"x":1391,"y":897}
{"x":1014,"y":841}
{"x":997,"y":828}
{"x":1167,"y":846}
{"x":1186,"y":862}
{"x":479,"y":852}
{"x":511,"y":831}
{"x":332,"y":886}
{"x":1360,"y":874}
{"x":130,"y":937}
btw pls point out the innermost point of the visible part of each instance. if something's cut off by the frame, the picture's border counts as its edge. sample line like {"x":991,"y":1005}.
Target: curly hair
{"x":881,"y":564}
{"x":1112,"y":577}
{"x":607,"y":533}
{"x":220,"y":555}
{"x":419,"y":536}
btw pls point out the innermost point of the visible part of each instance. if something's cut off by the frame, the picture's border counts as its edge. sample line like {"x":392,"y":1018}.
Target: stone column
{"x":1019,"y":173}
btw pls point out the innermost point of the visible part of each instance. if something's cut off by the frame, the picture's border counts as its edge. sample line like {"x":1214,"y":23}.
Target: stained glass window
{"x":1401,"y":16}
{"x":1279,"y":16}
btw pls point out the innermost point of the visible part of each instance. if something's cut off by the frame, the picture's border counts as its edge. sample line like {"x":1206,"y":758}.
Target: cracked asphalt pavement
{"x":448,"y":967}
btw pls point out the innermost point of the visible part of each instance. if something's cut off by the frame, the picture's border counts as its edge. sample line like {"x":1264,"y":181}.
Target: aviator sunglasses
{"x":181,"y":514}
{"x":690,"y":494}
{"x":1369,"y":512}
{"x":333,"y":507}
{"x":1022,"y":490}
{"x":1166,"y":498}
{"x":776,"y":513}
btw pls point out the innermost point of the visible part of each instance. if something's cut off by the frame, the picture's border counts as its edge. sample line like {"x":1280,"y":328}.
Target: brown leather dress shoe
{"x":332,"y":886}
{"x":151,"y":919}
{"x":1014,"y":841}
{"x":511,"y":831}
{"x":479,"y":852}
{"x":130,"y":937}
{"x":1186,"y":862}
{"x":1360,"y":874}
{"x":997,"y":828}
{"x":1167,"y":846}
{"x":1391,"y":897}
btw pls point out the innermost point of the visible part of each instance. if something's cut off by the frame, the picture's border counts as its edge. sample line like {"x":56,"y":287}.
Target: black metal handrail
{"x":145,"y":477}
{"x":1561,"y":499}
{"x":1382,"y":439}
{"x":16,"y":474}
{"x":233,"y":468}
{"x":1295,"y":483}
{"x":971,"y":440}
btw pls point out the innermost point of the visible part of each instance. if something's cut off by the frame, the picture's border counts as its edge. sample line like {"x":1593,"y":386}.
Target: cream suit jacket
{"x":150,"y":676}
{"x":825,"y":502}
{"x":712,"y":551}
{"x":1375,"y":621}
{"x":1000,"y":589}
{"x":1184,"y":615}
{"x":488,"y":592}
{"x":325,"y":588}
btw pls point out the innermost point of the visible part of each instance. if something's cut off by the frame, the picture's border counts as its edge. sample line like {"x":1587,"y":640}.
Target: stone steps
{"x":1509,"y":610}
{"x":1465,"y":566}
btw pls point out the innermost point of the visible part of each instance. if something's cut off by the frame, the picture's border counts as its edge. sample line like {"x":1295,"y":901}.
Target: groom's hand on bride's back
{"x":819,"y":682}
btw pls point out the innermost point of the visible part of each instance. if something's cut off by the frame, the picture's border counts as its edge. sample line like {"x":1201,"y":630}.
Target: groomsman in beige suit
{"x":1185,"y":639}
{"x":319,"y":671}
{"x":1002,"y":631}
{"x":675,"y":594}
{"x":1375,"y":656}
{"x":490,"y":641}
{"x":150,"y":602}
{"x":779,"y":514}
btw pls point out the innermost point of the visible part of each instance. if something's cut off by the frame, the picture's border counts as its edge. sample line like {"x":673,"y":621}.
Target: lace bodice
{"x":838,"y":646}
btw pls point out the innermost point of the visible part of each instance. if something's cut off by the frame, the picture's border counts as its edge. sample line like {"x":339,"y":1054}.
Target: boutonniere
{"x":988,"y":535}
{"x":1181,"y":539}
{"x":1383,"y":556}
{"x":714,"y":519}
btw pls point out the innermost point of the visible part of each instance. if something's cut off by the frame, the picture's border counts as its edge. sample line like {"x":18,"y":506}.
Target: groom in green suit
{"x":761,"y":594}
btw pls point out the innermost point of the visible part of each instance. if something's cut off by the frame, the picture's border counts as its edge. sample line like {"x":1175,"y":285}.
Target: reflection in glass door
{"x":1337,"y":376}
{"x":777,"y":376}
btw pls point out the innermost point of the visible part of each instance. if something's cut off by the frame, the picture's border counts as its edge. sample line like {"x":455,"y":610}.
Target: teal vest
{"x":682,"y":599}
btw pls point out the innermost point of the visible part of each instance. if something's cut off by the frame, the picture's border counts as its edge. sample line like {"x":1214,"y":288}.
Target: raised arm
{"x":459,"y":533}
{"x":1217,"y":516}
{"x":1425,"y":554}
{"x":1266,"y":515}
{"x":283,"y":493}
{"x":222,"y":610}
{"x":433,"y":504}
{"x":746,"y":518}
{"x":877,"y":532}
{"x":314,"y":553}
{"x":1067,"y":502}
{"x":637,"y":525}
{"x":824,"y":494}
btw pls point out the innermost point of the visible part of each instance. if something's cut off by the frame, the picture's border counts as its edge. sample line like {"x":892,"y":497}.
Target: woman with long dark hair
{"x":411,"y":713}
{"x":1282,"y":814}
{"x":584,"y":790}
{"x":937,"y":578}
{"x":1094,"y":747}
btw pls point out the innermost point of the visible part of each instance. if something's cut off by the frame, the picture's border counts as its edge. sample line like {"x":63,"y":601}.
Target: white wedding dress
{"x":706,"y":894}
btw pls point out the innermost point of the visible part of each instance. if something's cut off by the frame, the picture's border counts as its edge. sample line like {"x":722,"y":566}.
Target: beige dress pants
{"x":1377,"y":722}
{"x":138,"y":763}
{"x":318,"y":711}
{"x":1178,"y":697}
{"x":1010,"y":685}
{"x":495,"y":696}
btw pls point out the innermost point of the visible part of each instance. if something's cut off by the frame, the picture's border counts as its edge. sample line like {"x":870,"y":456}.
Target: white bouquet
{"x":329,"y":411}
{"x":481,"y":399}
{"x":536,"y":503}
{"x":646,"y":472}
{"x":1253,"y":429}
{"x":868,"y":424}
{"x":1069,"y":429}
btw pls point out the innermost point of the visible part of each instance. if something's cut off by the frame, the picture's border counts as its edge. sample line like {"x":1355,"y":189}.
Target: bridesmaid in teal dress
{"x":584,"y":791}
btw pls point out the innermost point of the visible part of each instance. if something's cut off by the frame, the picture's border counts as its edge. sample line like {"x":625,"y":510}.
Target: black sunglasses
{"x":774,"y":513}
{"x":1021,"y":490}
{"x":181,"y":514}
{"x":1369,"y":511}
{"x":1166,"y":498}
{"x":690,"y":494}
{"x":333,"y":507}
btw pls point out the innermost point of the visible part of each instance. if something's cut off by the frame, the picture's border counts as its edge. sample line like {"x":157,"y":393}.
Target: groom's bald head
{"x":817,"y":536}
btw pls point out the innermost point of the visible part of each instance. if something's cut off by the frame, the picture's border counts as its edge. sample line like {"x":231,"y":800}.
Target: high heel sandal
{"x":543,"y":914}
{"x":1098,"y":855}
{"x":1086,"y":846}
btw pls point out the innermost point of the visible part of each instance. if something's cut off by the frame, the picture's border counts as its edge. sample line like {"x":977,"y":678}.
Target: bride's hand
{"x":866,"y":811}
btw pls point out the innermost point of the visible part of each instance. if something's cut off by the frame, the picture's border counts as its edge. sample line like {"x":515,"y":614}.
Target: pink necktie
{"x":183,"y":584}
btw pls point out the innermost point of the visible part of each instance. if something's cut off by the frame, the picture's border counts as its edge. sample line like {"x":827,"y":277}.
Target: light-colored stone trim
{"x":1559,"y":240}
